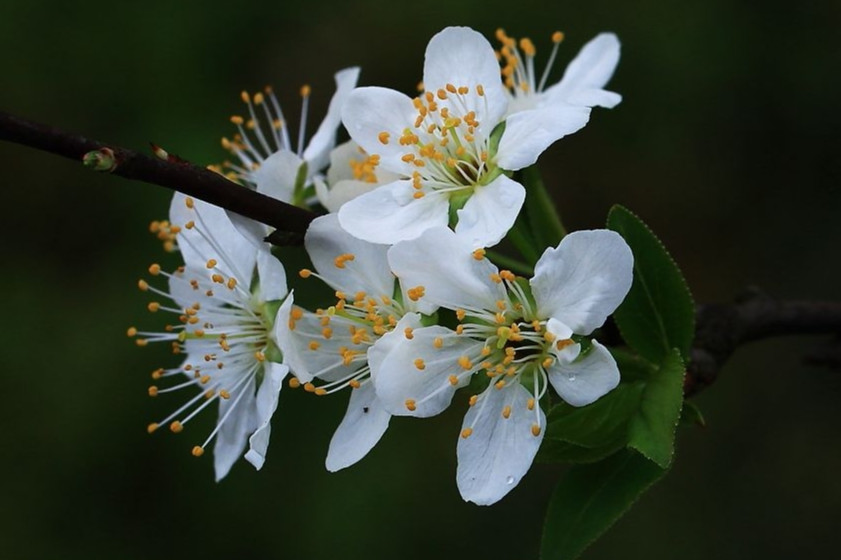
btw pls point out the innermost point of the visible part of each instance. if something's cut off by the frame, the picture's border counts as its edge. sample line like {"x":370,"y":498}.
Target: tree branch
{"x":173,"y":173}
{"x":720,"y":328}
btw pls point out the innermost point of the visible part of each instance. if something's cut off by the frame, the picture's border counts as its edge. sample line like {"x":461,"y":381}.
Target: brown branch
{"x":723,"y":327}
{"x":289,"y":221}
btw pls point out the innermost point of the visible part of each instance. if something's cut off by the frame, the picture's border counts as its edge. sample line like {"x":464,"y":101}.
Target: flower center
{"x":447,"y":145}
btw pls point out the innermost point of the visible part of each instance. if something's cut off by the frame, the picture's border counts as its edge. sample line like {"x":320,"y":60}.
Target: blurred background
{"x":727,"y":143}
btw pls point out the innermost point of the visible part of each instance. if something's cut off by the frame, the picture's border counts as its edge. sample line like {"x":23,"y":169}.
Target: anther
{"x":465,"y":433}
{"x":294,"y":383}
{"x":143,"y":285}
{"x":557,"y":37}
{"x":383,"y":137}
{"x":438,"y":342}
{"x":131,"y":332}
{"x":453,"y":379}
{"x":305,"y":91}
{"x":198,"y":451}
{"x":151,"y":428}
{"x":410,"y":405}
{"x":305,"y":273}
{"x":153,"y":391}
{"x":153,"y":306}
{"x":535,"y":430}
{"x":506,"y":412}
{"x":211,"y":263}
{"x":309,"y":387}
{"x":473,"y":400}
{"x":530,"y":404}
{"x":479,"y":254}
{"x":176,"y":427}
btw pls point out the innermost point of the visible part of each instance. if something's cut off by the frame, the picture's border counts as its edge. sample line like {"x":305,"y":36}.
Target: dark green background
{"x":726,"y":143}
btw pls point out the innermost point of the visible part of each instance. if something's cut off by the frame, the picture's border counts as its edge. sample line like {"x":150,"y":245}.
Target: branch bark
{"x":720,"y":328}
{"x":289,"y":221}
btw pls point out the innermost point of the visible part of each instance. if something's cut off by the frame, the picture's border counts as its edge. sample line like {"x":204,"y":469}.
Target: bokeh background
{"x":727,"y":143}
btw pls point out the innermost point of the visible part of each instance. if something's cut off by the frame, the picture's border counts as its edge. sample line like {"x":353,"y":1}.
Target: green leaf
{"x":652,"y":430}
{"x":559,"y":451}
{"x":590,"y":498}
{"x":598,"y":424}
{"x":543,"y":219}
{"x":658,"y":314}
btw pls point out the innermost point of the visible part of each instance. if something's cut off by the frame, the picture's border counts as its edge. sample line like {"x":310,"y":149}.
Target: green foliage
{"x":544,"y":222}
{"x":590,"y":498}
{"x":652,"y":429}
{"x":658,"y":314}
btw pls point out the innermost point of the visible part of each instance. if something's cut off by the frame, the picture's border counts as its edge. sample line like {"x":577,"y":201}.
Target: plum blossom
{"x":522,"y":336}
{"x":448,"y":147}
{"x":225,"y":299}
{"x":338,"y":345}
{"x":268,"y":160}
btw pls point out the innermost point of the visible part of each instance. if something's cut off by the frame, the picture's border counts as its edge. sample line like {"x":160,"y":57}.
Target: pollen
{"x":438,"y":342}
{"x":566,"y":342}
{"x":416,"y":293}
{"x":224,"y":394}
{"x":408,"y":333}
{"x":294,"y":383}
{"x":309,"y":387}
{"x":383,"y":137}
{"x":305,"y":273}
{"x":420,"y":364}
{"x":189,"y":202}
{"x":535,"y":430}
{"x":131,"y":332}
{"x":341,"y":260}
{"x":314,"y":345}
{"x":479,"y":254}
{"x":557,"y":37}
{"x":354,"y":384}
{"x":305,"y":91}
{"x":153,"y":391}
{"x":410,"y":405}
{"x":506,"y":412}
{"x":465,"y":362}
{"x":465,"y":433}
{"x":473,"y":400}
{"x":530,"y":404}
{"x":142,"y":285}
{"x":453,"y":379}
{"x":151,"y":428}
{"x":198,"y":451}
{"x":176,"y":427}
{"x":153,"y":306}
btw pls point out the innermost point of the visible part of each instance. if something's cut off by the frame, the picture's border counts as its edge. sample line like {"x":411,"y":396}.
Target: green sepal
{"x":658,"y":313}
{"x":589,"y":499}
{"x":299,"y":197}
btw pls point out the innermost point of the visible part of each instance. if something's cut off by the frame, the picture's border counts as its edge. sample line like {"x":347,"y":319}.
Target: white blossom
{"x":521,"y":336}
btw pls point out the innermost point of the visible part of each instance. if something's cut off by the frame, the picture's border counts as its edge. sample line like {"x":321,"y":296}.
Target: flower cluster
{"x":414,"y":200}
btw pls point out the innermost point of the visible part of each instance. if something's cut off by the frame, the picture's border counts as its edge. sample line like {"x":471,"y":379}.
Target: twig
{"x":290,"y":221}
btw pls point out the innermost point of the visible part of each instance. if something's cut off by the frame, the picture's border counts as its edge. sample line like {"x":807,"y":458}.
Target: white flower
{"x":582,"y":83}
{"x":225,"y":299}
{"x":338,"y":345}
{"x":443,"y":146}
{"x":520,"y":335}
{"x":268,"y":161}
{"x":352,"y":172}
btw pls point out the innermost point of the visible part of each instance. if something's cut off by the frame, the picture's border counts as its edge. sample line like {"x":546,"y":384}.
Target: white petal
{"x":528,"y":133}
{"x":213,"y":236}
{"x":272,"y":277}
{"x":341,"y":192}
{"x":390,"y":213}
{"x":364,"y":424}
{"x":239,"y":424}
{"x":588,"y":73}
{"x":584,"y":279}
{"x":443,"y":263}
{"x":499,"y":451}
{"x":387,"y":342}
{"x":267,"y":396}
{"x":398,"y":379}
{"x":317,"y":152}
{"x":369,"y":111}
{"x":463,"y":57}
{"x":290,"y":344}
{"x":277,"y":174}
{"x":490,"y":212}
{"x":367,"y":272}
{"x":340,"y":158}
{"x":587,"y":379}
